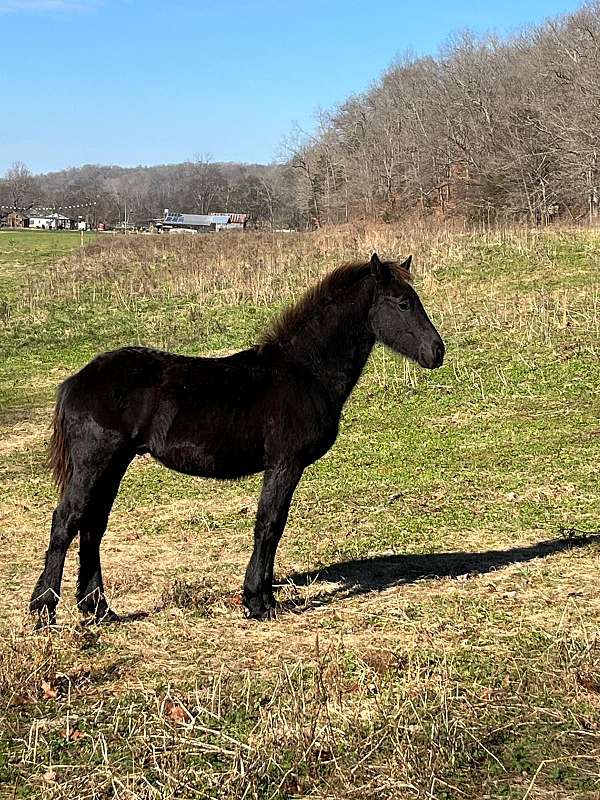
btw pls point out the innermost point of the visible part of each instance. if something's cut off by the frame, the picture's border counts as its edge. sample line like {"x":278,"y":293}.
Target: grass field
{"x":24,"y":255}
{"x":438,"y":630}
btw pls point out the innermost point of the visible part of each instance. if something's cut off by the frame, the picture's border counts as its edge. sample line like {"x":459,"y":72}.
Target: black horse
{"x":275,"y":407}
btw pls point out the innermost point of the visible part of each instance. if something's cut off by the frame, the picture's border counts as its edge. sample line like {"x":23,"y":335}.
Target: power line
{"x":52,"y":208}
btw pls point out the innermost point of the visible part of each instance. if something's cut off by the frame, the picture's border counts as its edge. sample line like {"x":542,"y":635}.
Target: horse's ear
{"x":406,"y":263}
{"x":379,"y":270}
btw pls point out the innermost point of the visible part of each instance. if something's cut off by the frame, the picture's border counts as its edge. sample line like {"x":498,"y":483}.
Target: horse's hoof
{"x":105,"y":616}
{"x":108,"y":617}
{"x":44,"y":622}
{"x":261,"y":614}
{"x":44,"y":616}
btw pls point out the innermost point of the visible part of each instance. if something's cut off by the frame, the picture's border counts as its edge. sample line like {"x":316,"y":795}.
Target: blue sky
{"x":129,"y":82}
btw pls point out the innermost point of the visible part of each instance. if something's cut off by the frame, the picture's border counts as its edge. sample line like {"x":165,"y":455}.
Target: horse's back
{"x":115,"y":379}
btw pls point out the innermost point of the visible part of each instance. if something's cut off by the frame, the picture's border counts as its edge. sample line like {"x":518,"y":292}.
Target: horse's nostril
{"x":438,"y":352}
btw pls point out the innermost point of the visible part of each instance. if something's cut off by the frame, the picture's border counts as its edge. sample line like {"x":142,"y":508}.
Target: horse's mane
{"x":327,"y":289}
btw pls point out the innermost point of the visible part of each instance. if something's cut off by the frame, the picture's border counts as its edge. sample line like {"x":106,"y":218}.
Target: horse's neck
{"x":336,"y":342}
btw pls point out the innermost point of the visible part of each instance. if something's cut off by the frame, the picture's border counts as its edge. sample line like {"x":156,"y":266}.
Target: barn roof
{"x":202,"y":220}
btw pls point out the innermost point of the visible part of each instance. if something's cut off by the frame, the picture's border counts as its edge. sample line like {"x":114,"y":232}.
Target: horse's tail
{"x":59,"y":456}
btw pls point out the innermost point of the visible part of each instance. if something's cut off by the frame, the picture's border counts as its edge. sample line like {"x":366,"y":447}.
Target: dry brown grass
{"x":256,"y":267}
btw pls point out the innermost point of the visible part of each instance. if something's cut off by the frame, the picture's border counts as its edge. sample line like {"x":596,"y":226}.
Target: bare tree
{"x":494,"y":130}
{"x":206,"y":183}
{"x":20,"y":187}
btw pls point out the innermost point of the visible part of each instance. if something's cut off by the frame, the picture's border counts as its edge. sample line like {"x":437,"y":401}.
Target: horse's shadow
{"x":362,"y":576}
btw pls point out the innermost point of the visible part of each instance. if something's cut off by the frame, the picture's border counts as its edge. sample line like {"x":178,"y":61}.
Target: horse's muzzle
{"x":435,"y":357}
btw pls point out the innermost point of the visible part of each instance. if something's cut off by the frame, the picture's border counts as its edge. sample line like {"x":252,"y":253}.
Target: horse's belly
{"x":223,"y":458}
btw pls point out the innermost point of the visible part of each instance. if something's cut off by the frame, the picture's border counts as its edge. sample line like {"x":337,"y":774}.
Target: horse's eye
{"x":403,"y":305}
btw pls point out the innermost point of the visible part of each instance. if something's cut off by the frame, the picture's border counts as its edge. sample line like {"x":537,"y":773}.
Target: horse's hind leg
{"x":76,"y":511}
{"x":90,"y":587}
{"x":66,"y":520}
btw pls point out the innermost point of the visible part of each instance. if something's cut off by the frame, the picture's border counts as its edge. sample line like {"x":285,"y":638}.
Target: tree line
{"x":493,"y":130}
{"x":490,"y":130}
{"x":106,"y":193}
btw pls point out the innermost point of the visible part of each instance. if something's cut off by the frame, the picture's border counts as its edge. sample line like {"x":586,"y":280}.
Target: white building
{"x":53,"y":221}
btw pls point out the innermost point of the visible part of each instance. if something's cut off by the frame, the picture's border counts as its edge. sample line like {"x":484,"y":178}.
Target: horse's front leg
{"x":278,"y":487}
